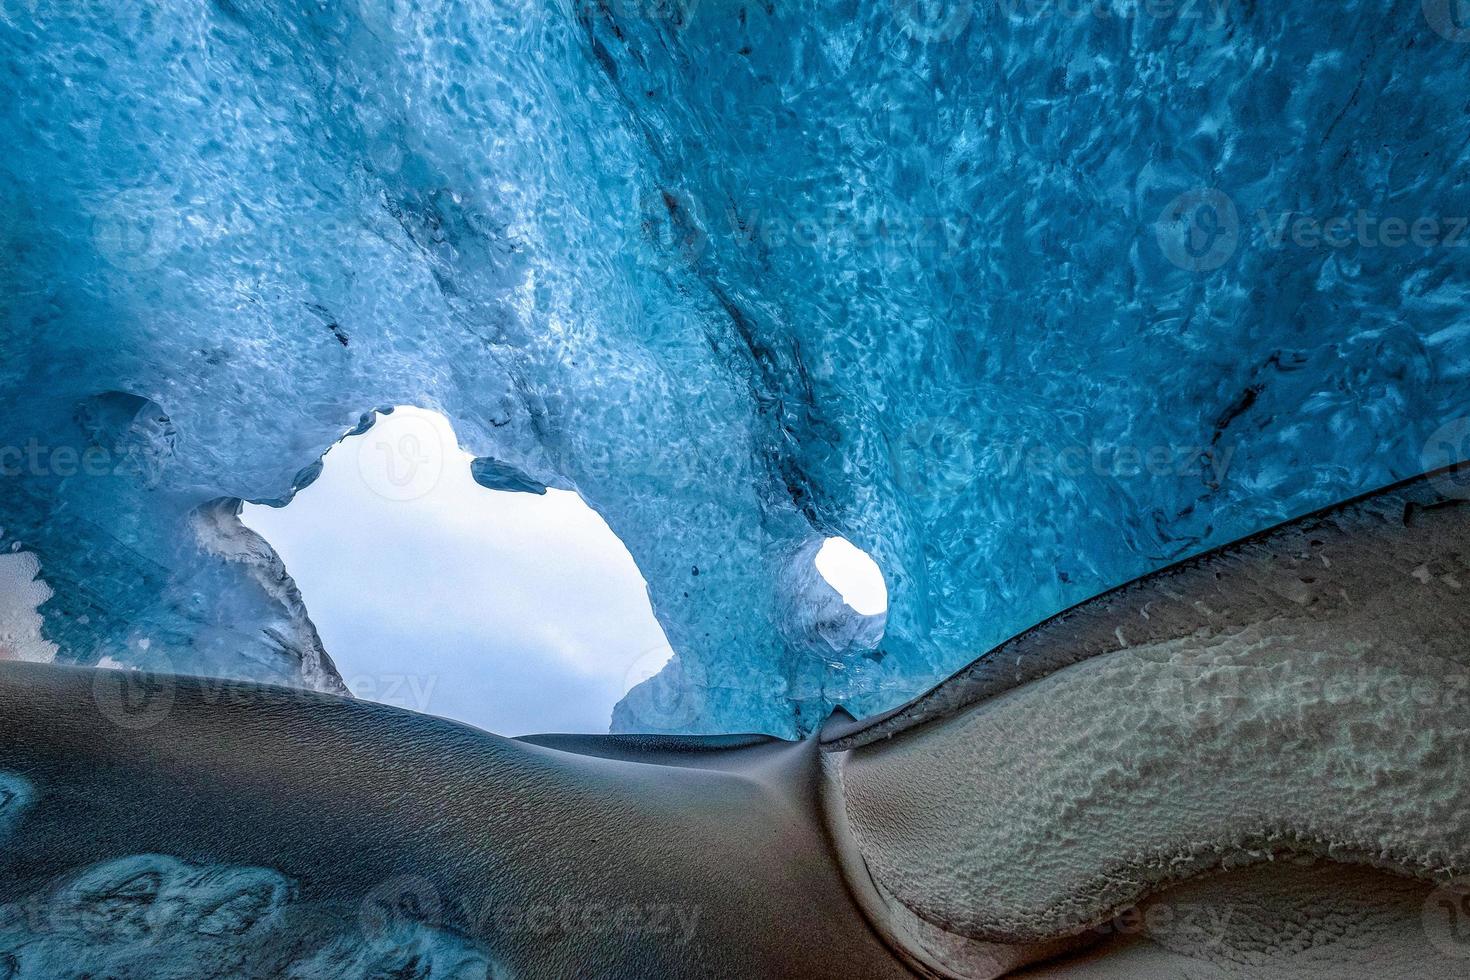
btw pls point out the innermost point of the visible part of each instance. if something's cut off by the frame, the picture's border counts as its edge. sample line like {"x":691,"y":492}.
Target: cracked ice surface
{"x":1012,"y":298}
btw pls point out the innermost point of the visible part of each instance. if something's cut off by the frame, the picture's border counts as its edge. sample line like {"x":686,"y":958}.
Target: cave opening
{"x":515,"y":610}
{"x":854,"y":574}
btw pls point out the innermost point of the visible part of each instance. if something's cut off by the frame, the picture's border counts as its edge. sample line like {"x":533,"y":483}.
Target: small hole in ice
{"x":855,"y":576}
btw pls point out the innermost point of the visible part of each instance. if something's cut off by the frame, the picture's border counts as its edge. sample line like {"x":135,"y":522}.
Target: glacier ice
{"x":1021,"y":301}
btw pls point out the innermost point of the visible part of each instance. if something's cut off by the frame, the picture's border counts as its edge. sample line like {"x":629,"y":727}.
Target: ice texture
{"x":158,"y":916}
{"x":994,"y":291}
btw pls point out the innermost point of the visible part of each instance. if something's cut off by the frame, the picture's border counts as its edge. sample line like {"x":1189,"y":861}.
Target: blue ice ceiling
{"x":1024,"y":298}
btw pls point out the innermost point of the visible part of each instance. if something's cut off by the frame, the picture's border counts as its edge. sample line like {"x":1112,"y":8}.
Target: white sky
{"x":854,"y":574}
{"x":514,"y":612}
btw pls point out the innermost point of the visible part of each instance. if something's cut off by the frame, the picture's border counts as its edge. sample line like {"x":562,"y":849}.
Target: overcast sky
{"x":515,"y":612}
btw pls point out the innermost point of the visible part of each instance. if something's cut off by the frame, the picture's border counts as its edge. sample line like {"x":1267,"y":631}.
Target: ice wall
{"x":1022,"y":298}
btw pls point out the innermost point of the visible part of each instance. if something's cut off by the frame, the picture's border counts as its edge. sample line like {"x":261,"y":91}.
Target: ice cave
{"x":837,"y":488}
